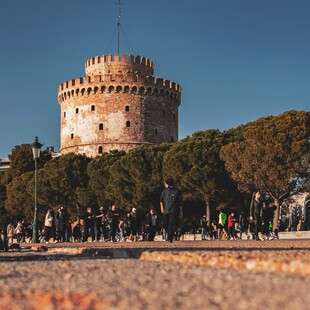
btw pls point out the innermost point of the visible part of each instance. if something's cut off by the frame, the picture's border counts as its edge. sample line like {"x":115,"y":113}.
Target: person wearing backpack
{"x":170,"y":205}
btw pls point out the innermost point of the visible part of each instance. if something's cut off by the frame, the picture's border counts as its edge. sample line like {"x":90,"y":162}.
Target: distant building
{"x":117,"y":105}
{"x":4,"y":164}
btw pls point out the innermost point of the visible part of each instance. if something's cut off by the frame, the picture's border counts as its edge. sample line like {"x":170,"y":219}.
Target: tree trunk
{"x":275,"y":224}
{"x":208,"y":211}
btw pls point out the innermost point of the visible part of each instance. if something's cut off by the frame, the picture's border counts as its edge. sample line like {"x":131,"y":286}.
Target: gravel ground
{"x":81,"y":282}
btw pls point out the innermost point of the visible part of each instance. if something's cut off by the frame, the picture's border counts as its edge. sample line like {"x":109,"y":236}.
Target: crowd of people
{"x":110,"y":226}
{"x":258,"y":225}
{"x":99,"y":226}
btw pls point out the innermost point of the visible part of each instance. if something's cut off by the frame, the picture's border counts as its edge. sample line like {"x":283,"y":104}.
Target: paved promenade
{"x":158,"y":275}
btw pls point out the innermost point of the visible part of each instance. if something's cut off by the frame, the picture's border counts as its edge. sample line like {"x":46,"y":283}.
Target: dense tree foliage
{"x":64,"y":181}
{"x":20,"y":196}
{"x":271,"y":155}
{"x":136,"y":179}
{"x":195,"y":164}
{"x":21,"y":160}
{"x":99,"y":175}
{"x":17,"y":184}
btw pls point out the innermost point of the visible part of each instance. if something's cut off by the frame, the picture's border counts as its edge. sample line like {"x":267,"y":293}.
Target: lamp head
{"x":36,"y":148}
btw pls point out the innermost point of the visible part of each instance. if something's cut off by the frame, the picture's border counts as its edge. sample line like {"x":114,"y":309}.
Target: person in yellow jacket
{"x":221,"y":226}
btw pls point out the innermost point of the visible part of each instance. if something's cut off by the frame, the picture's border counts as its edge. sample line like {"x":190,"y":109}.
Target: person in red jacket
{"x":231,"y":226}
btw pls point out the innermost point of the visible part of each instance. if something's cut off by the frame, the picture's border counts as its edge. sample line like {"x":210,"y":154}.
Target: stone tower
{"x":117,"y":105}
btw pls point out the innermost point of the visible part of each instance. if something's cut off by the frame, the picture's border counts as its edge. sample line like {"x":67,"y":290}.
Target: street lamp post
{"x":36,"y":148}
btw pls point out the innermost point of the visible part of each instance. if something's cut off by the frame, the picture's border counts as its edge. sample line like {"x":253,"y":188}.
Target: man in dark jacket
{"x":151,"y":224}
{"x":170,"y":203}
{"x":89,"y":225}
{"x":113,"y":219}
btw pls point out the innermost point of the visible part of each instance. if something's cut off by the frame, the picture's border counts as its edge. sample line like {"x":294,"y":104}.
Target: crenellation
{"x":138,"y":59}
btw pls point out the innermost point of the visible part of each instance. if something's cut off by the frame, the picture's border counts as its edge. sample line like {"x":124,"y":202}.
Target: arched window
{"x":127,"y":108}
{"x":92,"y":108}
{"x":128,"y":124}
{"x":111,"y":88}
{"x":72,"y":136}
{"x":118,"y":89}
{"x":126,"y":89}
{"x":100,"y":126}
{"x":134,"y":90}
{"x":100,"y":150}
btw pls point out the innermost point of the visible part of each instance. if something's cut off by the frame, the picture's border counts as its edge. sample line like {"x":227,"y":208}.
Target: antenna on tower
{"x":119,"y":26}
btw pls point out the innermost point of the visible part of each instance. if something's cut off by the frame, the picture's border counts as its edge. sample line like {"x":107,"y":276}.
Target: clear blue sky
{"x":236,"y":60}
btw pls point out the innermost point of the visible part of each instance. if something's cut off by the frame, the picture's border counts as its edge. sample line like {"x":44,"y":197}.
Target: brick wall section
{"x":117,"y":105}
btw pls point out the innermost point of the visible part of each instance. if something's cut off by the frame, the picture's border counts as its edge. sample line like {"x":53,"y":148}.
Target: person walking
{"x":221,"y":226}
{"x":100,"y":224}
{"x":89,"y":225}
{"x":48,"y":224}
{"x":19,"y":230}
{"x":134,"y":224}
{"x":243,"y":226}
{"x":113,"y":219}
{"x":231,"y":226}
{"x":203,"y":226}
{"x":10,"y":233}
{"x":170,"y":203}
{"x":151,"y":225}
{"x":256,"y":215}
{"x":60,"y":220}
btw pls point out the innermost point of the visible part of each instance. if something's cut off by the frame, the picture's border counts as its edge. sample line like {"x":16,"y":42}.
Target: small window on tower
{"x":100,"y":126}
{"x":65,"y":114}
{"x":164,"y":112}
{"x":128,"y":124}
{"x":92,"y":108}
{"x":72,"y":136}
{"x":77,"y":111}
{"x":173,"y":115}
{"x":156,"y":131}
{"x":127,"y":108}
{"x":171,"y":139}
{"x":100,"y":150}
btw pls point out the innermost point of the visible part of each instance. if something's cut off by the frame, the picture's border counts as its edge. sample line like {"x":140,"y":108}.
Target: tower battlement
{"x":114,"y":64}
{"x":121,"y":84}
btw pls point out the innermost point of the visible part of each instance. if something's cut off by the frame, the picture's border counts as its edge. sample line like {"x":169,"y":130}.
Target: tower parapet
{"x":114,"y":64}
{"x":117,"y":105}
